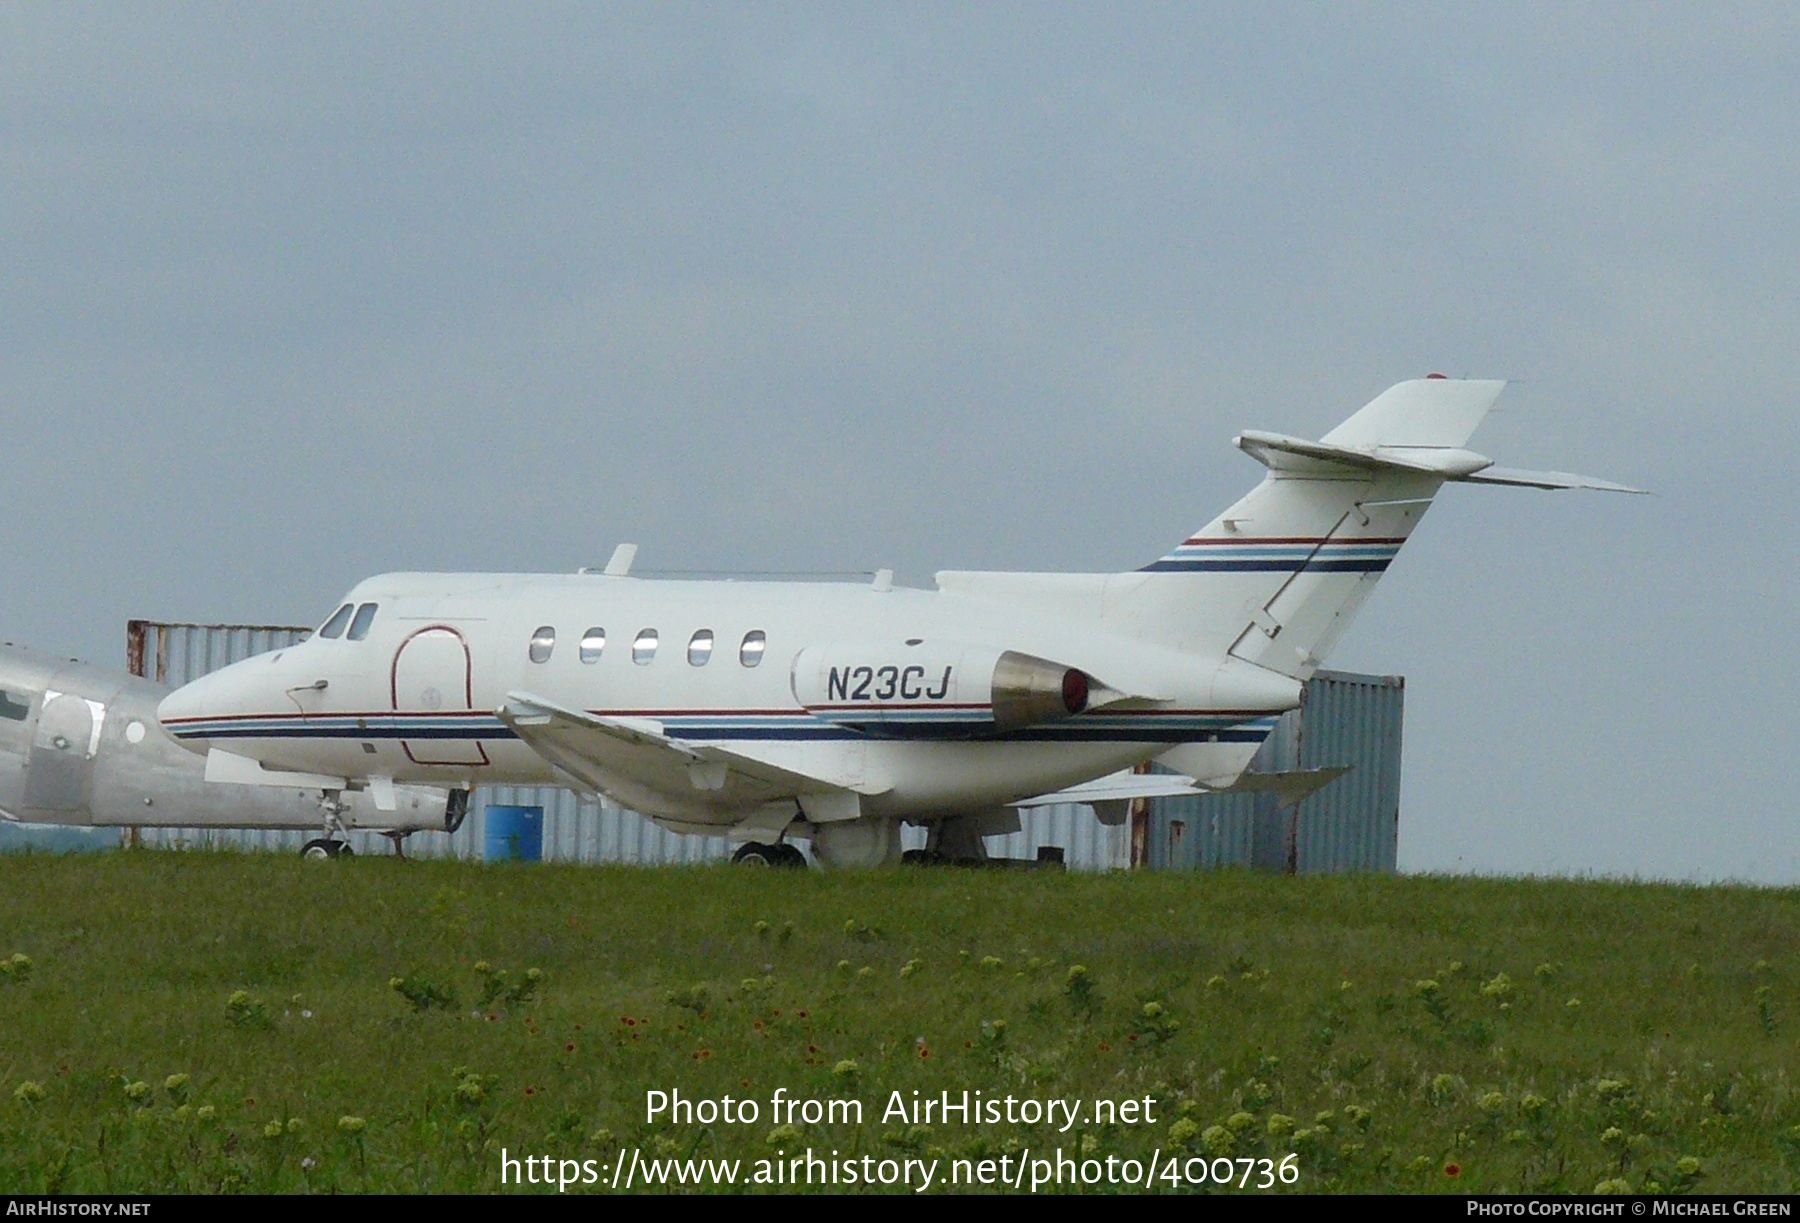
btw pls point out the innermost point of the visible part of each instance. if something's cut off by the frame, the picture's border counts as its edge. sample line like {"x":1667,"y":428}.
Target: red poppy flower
{"x":1452,"y":1170}
{"x":569,"y":1048}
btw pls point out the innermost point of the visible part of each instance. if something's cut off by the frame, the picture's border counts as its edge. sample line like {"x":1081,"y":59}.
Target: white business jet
{"x":835,"y":712}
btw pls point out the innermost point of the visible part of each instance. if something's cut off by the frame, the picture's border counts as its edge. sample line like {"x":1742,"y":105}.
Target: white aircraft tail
{"x":1277,"y":578}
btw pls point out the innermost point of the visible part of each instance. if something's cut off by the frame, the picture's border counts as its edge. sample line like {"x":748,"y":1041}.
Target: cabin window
{"x":334,"y":627}
{"x":542,"y":642}
{"x":14,"y":708}
{"x":593,"y":642}
{"x":751,"y":652}
{"x":644,"y":648}
{"x":700,"y":648}
{"x":359,"y":627}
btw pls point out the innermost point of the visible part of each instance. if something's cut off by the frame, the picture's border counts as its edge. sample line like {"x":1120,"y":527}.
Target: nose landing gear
{"x":332,"y":844}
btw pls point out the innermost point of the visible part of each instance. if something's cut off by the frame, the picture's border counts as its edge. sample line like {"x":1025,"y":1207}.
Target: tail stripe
{"x":1283,"y":555}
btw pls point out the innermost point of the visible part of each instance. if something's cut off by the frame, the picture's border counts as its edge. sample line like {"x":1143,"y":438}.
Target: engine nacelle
{"x":934,"y":689}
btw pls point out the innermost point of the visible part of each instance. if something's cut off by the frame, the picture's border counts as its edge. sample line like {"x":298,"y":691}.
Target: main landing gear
{"x":320,"y":848}
{"x":754,"y":853}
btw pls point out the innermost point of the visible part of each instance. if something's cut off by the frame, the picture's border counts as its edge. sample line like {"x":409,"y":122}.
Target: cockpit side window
{"x":359,"y":627}
{"x":14,"y":708}
{"x":334,"y":627}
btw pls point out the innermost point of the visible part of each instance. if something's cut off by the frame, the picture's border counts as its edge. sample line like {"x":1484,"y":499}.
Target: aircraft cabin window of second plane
{"x":334,"y":627}
{"x":644,"y":648}
{"x":542,"y":642}
{"x":13,"y":708}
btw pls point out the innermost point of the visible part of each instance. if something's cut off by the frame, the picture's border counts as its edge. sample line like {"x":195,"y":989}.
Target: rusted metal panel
{"x":1352,"y":824}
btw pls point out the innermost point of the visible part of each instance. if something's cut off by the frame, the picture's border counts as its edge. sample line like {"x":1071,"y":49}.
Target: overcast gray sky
{"x":291,"y":296}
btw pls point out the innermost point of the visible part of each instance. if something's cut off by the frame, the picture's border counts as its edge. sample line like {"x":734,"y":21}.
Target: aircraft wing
{"x":602,"y":752}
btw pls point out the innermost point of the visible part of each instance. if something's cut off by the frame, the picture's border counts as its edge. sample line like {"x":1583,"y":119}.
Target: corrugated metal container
{"x":174,"y":654}
{"x":1352,"y":824}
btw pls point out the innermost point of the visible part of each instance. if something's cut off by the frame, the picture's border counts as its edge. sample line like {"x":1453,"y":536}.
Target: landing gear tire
{"x":921,"y":857}
{"x":754,"y":853}
{"x":318,"y":849}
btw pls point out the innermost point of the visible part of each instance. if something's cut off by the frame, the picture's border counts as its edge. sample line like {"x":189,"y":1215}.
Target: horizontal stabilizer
{"x":1121,"y":786}
{"x":1279,"y":452}
{"x":1289,"y":787}
{"x":1545,"y":479}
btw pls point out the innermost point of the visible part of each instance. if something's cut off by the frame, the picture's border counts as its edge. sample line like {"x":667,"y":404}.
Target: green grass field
{"x":194,"y":1021}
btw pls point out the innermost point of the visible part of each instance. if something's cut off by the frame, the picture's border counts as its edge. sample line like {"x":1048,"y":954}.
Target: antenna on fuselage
{"x":620,"y":564}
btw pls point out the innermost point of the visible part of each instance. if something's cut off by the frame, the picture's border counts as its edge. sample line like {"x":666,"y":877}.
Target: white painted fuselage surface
{"x":377,"y":714}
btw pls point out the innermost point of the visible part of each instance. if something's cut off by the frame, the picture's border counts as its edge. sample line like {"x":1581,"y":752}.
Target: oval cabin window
{"x":751,"y":652}
{"x":700,"y":648}
{"x":644,"y":648}
{"x":592,"y":643}
{"x":542,"y":642}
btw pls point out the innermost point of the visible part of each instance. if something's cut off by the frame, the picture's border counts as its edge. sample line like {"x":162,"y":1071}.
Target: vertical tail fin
{"x":1277,"y":578}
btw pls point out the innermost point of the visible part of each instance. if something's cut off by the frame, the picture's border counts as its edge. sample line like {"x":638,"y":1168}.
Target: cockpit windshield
{"x":334,"y":627}
{"x":365,"y":616}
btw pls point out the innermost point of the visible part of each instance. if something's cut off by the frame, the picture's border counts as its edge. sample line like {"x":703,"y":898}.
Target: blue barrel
{"x":514,"y":834}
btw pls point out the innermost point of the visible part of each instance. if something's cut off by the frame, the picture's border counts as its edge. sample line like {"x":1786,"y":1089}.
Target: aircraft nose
{"x":189,"y":713}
